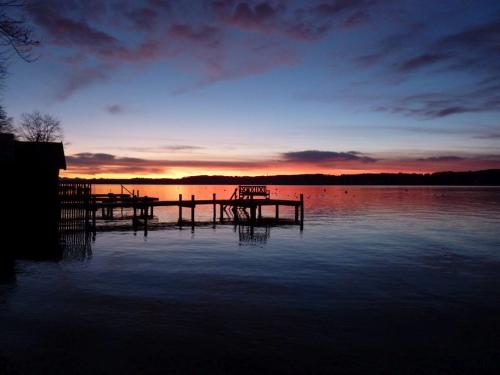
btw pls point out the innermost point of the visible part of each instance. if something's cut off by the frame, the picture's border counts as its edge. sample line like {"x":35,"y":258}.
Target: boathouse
{"x":29,"y":186}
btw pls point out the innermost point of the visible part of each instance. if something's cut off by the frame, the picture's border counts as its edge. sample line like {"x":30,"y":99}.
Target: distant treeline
{"x":486,"y":177}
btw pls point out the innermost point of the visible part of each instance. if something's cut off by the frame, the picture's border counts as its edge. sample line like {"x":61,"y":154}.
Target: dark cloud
{"x":246,"y":15}
{"x":421,"y":61}
{"x":175,"y":148}
{"x":440,"y":158}
{"x":330,"y":8}
{"x":164,"y":148}
{"x":316,"y":156}
{"x":357,"y":19}
{"x":65,"y":31}
{"x":82,"y":77}
{"x":304,"y":21}
{"x":472,"y":52}
{"x":492,"y":135}
{"x":115,"y":109}
{"x":205,"y":34}
{"x":143,"y":19}
{"x":91,"y":160}
{"x":485,"y":98}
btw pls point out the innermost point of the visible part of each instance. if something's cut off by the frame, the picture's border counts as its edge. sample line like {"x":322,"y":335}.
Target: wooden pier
{"x":243,"y":207}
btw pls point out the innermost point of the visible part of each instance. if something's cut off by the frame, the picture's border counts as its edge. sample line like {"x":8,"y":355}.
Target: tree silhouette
{"x":15,"y":36}
{"x":6,"y":123}
{"x":36,"y":127}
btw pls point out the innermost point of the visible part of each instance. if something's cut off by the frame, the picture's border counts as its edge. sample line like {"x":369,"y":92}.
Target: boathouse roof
{"x":36,"y":154}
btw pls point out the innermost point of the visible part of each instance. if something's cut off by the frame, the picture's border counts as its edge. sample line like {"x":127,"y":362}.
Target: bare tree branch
{"x":14,"y":34}
{"x":36,"y":127}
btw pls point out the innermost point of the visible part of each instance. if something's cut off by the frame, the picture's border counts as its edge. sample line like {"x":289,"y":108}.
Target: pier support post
{"x":253,"y":215}
{"x":235,"y":214}
{"x":180,"y":210}
{"x":146,"y":208}
{"x":192,"y":211}
{"x":214,"y":209}
{"x":260,"y":212}
{"x":296,"y":214}
{"x":277,"y":212}
{"x":134,"y":218}
{"x":301,"y":211}
{"x":221,"y":213}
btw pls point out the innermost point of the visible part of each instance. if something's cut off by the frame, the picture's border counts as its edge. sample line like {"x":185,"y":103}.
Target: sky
{"x":160,"y":88}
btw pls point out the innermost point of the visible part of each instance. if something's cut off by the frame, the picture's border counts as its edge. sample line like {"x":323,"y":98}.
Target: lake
{"x":380,"y":280}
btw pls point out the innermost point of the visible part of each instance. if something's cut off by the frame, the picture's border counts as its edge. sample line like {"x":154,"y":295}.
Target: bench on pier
{"x":252,"y":191}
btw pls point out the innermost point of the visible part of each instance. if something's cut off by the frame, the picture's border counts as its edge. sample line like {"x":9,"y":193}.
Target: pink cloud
{"x":81,"y":78}
{"x":216,"y":41}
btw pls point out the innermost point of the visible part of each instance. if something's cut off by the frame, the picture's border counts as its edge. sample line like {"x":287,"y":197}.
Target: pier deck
{"x":240,"y":208}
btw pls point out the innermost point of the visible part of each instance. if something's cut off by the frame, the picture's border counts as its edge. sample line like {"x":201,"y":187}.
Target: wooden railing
{"x":250,"y":191}
{"x":74,"y":203}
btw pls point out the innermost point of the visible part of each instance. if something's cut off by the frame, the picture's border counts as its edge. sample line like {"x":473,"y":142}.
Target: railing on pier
{"x":74,"y":201}
{"x":251,"y":191}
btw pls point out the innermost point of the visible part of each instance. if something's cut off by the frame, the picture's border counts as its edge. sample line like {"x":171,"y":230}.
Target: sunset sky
{"x":173,"y":88}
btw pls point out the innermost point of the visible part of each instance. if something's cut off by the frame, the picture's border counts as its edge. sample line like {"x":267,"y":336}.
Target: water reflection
{"x":383,"y":280}
{"x":252,"y":235}
{"x":76,"y":245}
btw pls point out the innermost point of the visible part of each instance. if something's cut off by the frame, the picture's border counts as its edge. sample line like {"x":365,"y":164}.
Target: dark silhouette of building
{"x":29,"y":192}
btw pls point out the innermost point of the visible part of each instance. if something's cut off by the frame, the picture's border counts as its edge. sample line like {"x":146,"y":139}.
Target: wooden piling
{"x":214,"y":208}
{"x":235,"y":214}
{"x":260,"y":212}
{"x":277,"y":212}
{"x":180,"y":209}
{"x":301,"y":211}
{"x":192,"y":211}
{"x":221,"y":217}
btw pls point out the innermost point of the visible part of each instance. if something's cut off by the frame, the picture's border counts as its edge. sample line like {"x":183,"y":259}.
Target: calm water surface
{"x":381,"y":280}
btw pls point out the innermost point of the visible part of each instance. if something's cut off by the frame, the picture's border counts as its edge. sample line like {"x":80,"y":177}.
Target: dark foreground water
{"x":382,"y":280}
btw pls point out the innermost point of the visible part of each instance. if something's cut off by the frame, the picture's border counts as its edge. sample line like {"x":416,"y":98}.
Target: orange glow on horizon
{"x":95,"y":166}
{"x":181,"y":173}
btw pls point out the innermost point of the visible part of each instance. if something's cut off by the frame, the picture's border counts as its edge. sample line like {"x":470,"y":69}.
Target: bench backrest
{"x":250,"y":191}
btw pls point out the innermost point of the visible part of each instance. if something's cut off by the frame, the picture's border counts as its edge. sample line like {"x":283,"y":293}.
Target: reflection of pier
{"x":244,"y":206}
{"x":250,"y":234}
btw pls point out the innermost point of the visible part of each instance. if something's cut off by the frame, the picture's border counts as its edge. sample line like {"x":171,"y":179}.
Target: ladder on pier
{"x":236,"y":212}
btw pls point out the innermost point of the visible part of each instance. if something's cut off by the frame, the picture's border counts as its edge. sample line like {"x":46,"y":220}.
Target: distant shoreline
{"x":490,"y":177}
